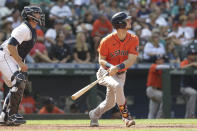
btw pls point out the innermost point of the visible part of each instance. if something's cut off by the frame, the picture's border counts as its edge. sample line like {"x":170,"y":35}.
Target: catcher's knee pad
{"x":20,"y":80}
{"x":17,"y":92}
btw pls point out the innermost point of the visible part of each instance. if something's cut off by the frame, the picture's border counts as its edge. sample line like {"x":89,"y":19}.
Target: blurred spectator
{"x":193,"y":44}
{"x":49,"y":107}
{"x":70,"y":38}
{"x":28,"y":103}
{"x":180,"y":7}
{"x":174,"y":31}
{"x":154,"y":88}
{"x":80,"y":7}
{"x":171,"y":52}
{"x":15,"y":18}
{"x":81,"y":2}
{"x":39,"y":52}
{"x":163,"y":34}
{"x":60,"y":51}
{"x":151,"y":21}
{"x":185,"y":33}
{"x":160,"y":20}
{"x":94,"y":7}
{"x":146,"y":32}
{"x":7,"y":28}
{"x":189,"y":83}
{"x":101,"y":27}
{"x":81,"y":50}
{"x":112,"y":9}
{"x":51,"y":33}
{"x":153,"y":48}
{"x":4,"y":11}
{"x":88,"y":19}
{"x":192,"y":19}
{"x":60,"y":11}
{"x":143,"y":12}
{"x":87,"y":27}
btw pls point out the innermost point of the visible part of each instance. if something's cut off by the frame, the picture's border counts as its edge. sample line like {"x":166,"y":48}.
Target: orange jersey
{"x":117,"y":51}
{"x":184,"y":63}
{"x":101,"y":28}
{"x":28,"y":104}
{"x":56,"y":110}
{"x":154,"y":77}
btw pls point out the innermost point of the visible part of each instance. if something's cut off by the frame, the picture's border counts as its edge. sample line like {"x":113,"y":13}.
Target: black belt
{"x":1,"y":49}
{"x":157,"y":88}
{"x":120,"y":73}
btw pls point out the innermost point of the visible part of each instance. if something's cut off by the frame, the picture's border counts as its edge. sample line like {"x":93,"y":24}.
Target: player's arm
{"x":189,"y":65}
{"x":125,"y":64}
{"x":14,"y":53}
{"x":103,"y":62}
{"x":129,"y":62}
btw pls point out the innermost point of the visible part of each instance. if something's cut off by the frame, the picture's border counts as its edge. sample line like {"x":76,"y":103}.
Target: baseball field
{"x":106,"y":125}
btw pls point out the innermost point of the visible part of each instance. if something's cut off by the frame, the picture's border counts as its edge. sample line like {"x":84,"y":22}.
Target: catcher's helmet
{"x":118,"y":20}
{"x":28,"y":13}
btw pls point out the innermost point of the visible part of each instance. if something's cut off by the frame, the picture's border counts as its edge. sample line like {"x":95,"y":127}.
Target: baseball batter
{"x":117,"y":52}
{"x":12,"y":54}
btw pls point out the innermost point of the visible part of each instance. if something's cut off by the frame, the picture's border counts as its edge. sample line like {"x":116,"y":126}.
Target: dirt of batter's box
{"x":87,"y":127}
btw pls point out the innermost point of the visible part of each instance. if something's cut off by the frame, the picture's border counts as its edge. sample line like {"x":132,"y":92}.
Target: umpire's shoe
{"x":93,"y":119}
{"x":15,"y":120}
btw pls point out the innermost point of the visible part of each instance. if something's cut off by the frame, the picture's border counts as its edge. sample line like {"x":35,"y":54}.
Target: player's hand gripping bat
{"x":86,"y":88}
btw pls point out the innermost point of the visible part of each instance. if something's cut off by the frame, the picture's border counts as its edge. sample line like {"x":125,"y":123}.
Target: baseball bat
{"x":86,"y":88}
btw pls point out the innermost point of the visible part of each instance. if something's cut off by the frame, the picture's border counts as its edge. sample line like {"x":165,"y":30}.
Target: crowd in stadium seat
{"x":74,"y":28}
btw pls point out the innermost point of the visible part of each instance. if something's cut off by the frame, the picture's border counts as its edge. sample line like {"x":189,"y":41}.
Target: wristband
{"x":121,"y":66}
{"x":108,"y":65}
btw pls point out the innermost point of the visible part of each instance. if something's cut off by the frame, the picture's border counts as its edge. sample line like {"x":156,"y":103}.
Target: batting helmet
{"x":119,"y":20}
{"x":28,"y":13}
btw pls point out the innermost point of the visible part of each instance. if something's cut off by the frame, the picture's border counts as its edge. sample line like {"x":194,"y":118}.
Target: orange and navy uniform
{"x":56,"y":110}
{"x":117,"y":51}
{"x":184,"y":63}
{"x":154,"y":77}
{"x":102,"y":28}
{"x":188,"y":80}
{"x":28,"y":104}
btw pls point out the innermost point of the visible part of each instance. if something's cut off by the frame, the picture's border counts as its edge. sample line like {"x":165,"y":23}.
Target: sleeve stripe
{"x":13,"y":41}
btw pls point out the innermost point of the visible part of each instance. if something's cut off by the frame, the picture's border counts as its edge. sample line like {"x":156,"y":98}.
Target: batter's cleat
{"x":15,"y":120}
{"x":93,"y":119}
{"x":128,"y":121}
{"x":126,"y":117}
